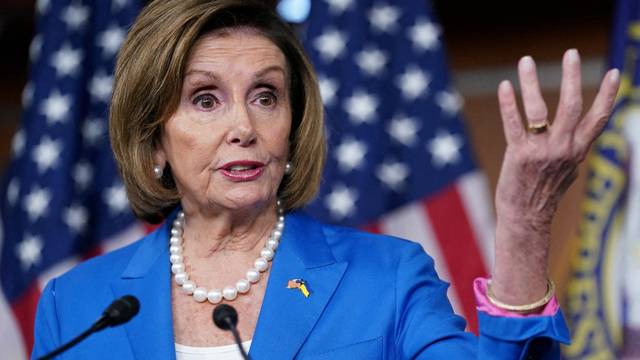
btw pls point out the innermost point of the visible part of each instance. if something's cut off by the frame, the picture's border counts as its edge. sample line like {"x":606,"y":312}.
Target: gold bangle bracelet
{"x":526,"y":308}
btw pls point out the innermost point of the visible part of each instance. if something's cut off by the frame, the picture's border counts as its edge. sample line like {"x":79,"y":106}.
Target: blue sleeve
{"x":427,"y":327}
{"x":46,"y":330}
{"x":522,"y":338}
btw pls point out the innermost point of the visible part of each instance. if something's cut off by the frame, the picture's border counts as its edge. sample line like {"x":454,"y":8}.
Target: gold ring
{"x":538,"y":128}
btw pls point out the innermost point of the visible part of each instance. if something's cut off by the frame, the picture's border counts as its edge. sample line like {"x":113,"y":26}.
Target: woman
{"x":216,"y":123}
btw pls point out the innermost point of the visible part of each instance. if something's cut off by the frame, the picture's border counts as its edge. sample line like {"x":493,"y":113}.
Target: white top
{"x":225,"y":352}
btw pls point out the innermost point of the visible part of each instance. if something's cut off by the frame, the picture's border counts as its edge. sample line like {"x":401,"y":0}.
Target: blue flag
{"x":61,"y":197}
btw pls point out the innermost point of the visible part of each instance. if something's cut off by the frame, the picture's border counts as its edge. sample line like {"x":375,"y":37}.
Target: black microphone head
{"x":122,"y":310}
{"x":225,"y":316}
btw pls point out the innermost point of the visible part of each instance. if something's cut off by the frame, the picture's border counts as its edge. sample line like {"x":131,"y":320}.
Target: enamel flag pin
{"x":300,"y":285}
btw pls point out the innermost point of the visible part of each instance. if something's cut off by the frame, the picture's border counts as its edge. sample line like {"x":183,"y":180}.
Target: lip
{"x":242,"y":175}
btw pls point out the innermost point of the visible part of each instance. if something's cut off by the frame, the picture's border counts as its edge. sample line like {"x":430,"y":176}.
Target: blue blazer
{"x":372,"y":297}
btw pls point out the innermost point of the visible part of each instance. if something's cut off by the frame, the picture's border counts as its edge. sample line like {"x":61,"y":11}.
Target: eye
{"x":267,"y":99}
{"x":205,"y":101}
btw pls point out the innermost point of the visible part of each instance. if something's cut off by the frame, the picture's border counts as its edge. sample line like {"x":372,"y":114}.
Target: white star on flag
{"x":13,"y":191}
{"x":42,"y":6}
{"x":404,"y":129}
{"x":341,"y":202}
{"x":116,"y":198}
{"x":56,"y":107}
{"x":75,"y":16}
{"x":47,"y":153}
{"x":111,"y":39}
{"x":450,"y":102}
{"x":27,"y":95}
{"x":337,"y":7}
{"x":34,"y":48}
{"x":413,"y":82}
{"x":93,"y":130}
{"x":17,"y":145}
{"x":328,"y":90}
{"x":384,"y":18}
{"x":350,"y":154}
{"x":118,"y":4}
{"x":361,"y":107}
{"x":36,"y":202}
{"x":331,"y":44}
{"x":101,"y":86}
{"x":76,"y":218}
{"x":424,"y":35}
{"x":82,"y":174}
{"x":393,"y":174}
{"x":29,"y":251}
{"x":445,"y":148}
{"x":66,"y":61}
{"x":371,"y":61}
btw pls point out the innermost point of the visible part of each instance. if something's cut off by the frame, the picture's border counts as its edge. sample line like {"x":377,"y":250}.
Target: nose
{"x":242,"y":132}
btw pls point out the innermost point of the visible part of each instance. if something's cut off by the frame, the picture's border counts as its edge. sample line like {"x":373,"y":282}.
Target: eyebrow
{"x":204,"y":73}
{"x":259,"y":74}
{"x":269,"y":69}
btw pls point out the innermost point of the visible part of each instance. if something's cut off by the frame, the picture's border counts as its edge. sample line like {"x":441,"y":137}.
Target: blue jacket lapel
{"x":147,"y":277}
{"x":287,"y":317}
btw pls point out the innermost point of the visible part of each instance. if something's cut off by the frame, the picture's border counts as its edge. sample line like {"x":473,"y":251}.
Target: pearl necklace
{"x":242,"y":286}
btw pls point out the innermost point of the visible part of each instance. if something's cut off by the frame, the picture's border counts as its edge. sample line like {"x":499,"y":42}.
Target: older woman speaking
{"x":216,"y":123}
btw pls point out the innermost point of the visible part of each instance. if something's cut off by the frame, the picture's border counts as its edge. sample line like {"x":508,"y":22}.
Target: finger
{"x":534,"y":106}
{"x":570,"y":107}
{"x":511,"y":120}
{"x":597,"y":116}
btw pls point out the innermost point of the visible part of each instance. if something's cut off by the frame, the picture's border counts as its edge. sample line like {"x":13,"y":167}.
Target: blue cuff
{"x":523,"y":337}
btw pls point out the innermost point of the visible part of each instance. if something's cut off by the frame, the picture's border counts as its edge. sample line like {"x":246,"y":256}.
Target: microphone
{"x":226,"y":318}
{"x":118,"y":312}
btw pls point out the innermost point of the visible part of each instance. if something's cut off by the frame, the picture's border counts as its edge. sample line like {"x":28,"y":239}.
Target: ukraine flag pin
{"x":299,"y":284}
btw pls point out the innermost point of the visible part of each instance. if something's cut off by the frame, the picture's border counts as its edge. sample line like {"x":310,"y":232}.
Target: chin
{"x":239,"y":200}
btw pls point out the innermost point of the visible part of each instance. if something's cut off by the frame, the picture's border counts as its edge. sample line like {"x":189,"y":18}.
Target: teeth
{"x":240,"y":167}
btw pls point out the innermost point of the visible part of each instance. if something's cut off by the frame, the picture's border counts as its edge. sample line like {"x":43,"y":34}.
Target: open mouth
{"x":242,"y":170}
{"x":241,"y":167}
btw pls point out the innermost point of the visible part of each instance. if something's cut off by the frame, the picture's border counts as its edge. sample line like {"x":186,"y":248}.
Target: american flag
{"x":62,"y":200}
{"x":399,"y":161}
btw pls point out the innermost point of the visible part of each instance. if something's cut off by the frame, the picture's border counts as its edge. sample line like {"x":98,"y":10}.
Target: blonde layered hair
{"x":148,"y":83}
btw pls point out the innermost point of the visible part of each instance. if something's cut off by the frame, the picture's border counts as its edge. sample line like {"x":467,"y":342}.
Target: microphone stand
{"x":236,"y":337}
{"x":118,"y":312}
{"x":226,"y":317}
{"x":95,"y":327}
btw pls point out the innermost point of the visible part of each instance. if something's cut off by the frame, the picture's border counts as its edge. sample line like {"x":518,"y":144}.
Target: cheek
{"x":188,"y":143}
{"x":272,"y":127}
{"x":278,"y":140}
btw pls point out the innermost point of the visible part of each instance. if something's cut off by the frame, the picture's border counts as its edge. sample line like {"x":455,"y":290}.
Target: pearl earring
{"x":288,"y":168}
{"x":158,"y":171}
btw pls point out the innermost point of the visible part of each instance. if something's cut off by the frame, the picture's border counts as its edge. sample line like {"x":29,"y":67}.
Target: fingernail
{"x":526,"y":63}
{"x":573,"y":56}
{"x":615,"y":75}
{"x":503,"y":86}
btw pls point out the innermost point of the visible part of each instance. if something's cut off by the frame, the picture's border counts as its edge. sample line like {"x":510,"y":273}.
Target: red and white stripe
{"x":456,"y":228}
{"x":17,"y":319}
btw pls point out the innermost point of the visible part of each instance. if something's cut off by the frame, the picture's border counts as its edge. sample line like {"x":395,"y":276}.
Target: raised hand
{"x":539,"y":164}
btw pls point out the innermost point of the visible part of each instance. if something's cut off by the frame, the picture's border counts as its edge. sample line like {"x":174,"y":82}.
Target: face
{"x":227,"y":142}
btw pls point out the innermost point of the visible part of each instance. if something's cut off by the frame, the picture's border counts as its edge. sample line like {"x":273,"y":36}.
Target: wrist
{"x":526,"y":308}
{"x":521,"y":266}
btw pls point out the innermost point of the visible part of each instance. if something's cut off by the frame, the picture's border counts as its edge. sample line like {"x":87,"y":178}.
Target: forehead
{"x":241,"y":46}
